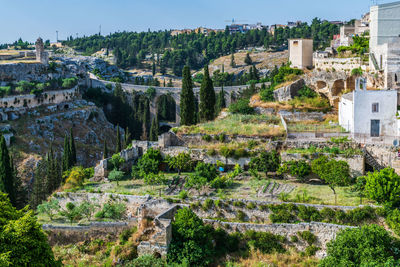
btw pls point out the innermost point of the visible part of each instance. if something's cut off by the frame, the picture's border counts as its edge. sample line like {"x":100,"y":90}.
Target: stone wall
{"x":22,"y":71}
{"x":323,"y":231}
{"x":338,"y":64}
{"x":64,"y":235}
{"x":288,"y":92}
{"x":132,"y":202}
{"x":32,"y":101}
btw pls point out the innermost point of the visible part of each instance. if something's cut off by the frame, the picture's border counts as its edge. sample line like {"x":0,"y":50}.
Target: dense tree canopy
{"x":22,"y":240}
{"x":195,"y":50}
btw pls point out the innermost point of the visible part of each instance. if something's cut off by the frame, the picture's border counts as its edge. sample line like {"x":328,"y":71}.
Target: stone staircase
{"x":371,"y":161}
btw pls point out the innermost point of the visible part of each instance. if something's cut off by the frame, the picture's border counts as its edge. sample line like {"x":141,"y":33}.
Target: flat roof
{"x":389,"y":4}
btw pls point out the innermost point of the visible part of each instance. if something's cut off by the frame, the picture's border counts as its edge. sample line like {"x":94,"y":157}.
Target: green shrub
{"x":239,"y":204}
{"x":383,"y":186}
{"x":282,"y":216}
{"x":307,"y":92}
{"x":113,"y":211}
{"x":309,"y":214}
{"x":327,"y":214}
{"x":241,"y":107}
{"x":308,"y":237}
{"x":311,"y":250}
{"x":251,"y":144}
{"x":294,"y":239}
{"x":251,"y":206}
{"x":295,"y":168}
{"x":126,"y":234}
{"x":393,"y":220}
{"x":208,"y":203}
{"x":265,"y":162}
{"x":264,"y":241}
{"x":206,"y":138}
{"x":206,"y":170}
{"x":240,"y":215}
{"x":360,"y":215}
{"x":183,"y":194}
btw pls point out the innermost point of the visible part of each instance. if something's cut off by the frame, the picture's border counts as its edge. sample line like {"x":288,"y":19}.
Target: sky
{"x":29,"y":19}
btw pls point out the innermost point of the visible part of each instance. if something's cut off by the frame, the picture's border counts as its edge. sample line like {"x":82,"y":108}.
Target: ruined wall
{"x":324,"y":232}
{"x":32,"y":101}
{"x":22,"y":71}
{"x":64,"y":235}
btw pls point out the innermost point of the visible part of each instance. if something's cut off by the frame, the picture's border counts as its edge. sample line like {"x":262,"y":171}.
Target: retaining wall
{"x":323,"y":231}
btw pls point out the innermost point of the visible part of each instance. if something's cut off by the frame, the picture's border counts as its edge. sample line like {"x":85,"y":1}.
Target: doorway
{"x":375,"y":128}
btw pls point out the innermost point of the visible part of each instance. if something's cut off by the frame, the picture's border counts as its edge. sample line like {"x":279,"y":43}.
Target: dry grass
{"x":258,"y":259}
{"x":248,"y":125}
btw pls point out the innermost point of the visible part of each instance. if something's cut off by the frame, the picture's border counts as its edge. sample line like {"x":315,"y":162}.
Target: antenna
{"x":57,"y":36}
{"x":100,"y":30}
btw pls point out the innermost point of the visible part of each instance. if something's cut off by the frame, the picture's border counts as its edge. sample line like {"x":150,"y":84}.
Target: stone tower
{"x":41,"y":55}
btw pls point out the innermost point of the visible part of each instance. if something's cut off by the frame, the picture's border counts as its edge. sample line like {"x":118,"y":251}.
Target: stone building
{"x":369,"y":113}
{"x":301,"y":53}
{"x":41,"y":55}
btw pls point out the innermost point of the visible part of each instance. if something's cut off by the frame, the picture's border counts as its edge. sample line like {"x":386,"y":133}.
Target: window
{"x":295,"y":43}
{"x":375,"y":107}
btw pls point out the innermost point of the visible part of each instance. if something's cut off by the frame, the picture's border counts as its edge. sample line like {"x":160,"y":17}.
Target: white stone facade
{"x":301,"y":53}
{"x":369,"y":113}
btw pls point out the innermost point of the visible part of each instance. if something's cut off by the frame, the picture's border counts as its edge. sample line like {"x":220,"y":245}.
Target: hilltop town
{"x":252,"y":145}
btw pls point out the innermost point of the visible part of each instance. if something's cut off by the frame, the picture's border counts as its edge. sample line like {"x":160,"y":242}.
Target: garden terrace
{"x":235,"y":124}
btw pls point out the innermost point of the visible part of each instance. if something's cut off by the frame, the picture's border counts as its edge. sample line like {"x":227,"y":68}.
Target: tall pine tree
{"x":207,"y":97}
{"x":187,"y":104}
{"x":154,"y":130}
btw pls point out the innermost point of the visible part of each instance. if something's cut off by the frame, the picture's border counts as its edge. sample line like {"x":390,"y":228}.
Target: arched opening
{"x":351,"y":83}
{"x":166,"y":108}
{"x":337,"y":87}
{"x":66,"y":106}
{"x":321,"y":84}
{"x":164,"y":129}
{"x":395,"y":77}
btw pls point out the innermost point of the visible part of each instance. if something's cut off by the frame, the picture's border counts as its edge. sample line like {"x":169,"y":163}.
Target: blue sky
{"x":32,"y":18}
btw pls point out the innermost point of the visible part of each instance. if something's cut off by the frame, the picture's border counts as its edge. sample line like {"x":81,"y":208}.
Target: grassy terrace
{"x":246,"y":188}
{"x":315,"y":126}
{"x":235,"y":124}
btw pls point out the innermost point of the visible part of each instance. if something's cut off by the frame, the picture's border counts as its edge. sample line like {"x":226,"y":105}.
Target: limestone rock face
{"x":288,"y":92}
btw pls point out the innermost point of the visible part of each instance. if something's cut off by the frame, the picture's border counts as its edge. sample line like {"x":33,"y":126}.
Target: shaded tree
{"x":207,"y":97}
{"x":187,"y":104}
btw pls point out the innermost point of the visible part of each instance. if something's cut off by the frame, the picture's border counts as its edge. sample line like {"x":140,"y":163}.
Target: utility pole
{"x":57,"y":36}
{"x":100,"y":30}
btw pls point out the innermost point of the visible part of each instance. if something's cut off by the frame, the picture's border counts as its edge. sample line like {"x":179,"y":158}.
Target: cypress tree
{"x":221,"y":104}
{"x":72,"y":148}
{"x":154,"y":69}
{"x":66,"y":155}
{"x":248,"y":60}
{"x":20,"y":191}
{"x":233,"y":64}
{"x":146,"y":119}
{"x":105,"y":150}
{"x":207,"y":97}
{"x":187,"y":104}
{"x":119,"y":145}
{"x":127,"y":137}
{"x":154,"y":130}
{"x":7,"y":177}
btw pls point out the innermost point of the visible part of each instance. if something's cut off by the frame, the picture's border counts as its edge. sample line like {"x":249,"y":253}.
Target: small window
{"x":295,"y":42}
{"x":375,"y":107}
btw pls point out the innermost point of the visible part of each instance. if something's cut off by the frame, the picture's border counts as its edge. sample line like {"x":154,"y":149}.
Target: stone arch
{"x":337,"y":87}
{"x":166,"y":108}
{"x":321,"y":85}
{"x":351,"y":83}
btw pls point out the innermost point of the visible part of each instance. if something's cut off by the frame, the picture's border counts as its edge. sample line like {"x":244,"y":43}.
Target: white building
{"x":301,"y":53}
{"x":369,"y":113}
{"x":384,"y":38}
